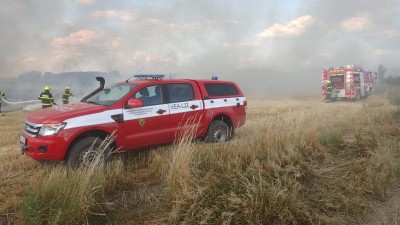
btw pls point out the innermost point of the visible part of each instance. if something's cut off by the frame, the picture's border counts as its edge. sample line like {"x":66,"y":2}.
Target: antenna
{"x":134,"y":74}
{"x":171,"y":75}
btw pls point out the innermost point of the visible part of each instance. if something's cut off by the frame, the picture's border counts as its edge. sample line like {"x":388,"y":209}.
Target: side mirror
{"x":134,"y":103}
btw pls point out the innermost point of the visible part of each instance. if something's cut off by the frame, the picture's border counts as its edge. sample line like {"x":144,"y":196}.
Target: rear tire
{"x":85,"y":151}
{"x":218,"y":131}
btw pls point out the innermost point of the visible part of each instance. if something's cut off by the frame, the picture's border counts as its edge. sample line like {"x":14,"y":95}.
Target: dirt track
{"x":385,"y":212}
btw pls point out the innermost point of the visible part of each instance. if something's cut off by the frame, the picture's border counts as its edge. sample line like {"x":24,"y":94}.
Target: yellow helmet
{"x":67,"y":88}
{"x":47,"y":88}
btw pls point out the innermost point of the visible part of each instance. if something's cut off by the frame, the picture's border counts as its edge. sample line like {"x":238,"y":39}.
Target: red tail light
{"x":245,"y":106}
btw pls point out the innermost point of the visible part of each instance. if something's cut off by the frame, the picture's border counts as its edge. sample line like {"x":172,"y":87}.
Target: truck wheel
{"x":218,"y":132}
{"x":85,"y":151}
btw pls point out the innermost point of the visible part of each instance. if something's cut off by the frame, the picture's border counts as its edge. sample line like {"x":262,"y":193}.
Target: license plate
{"x":22,"y":139}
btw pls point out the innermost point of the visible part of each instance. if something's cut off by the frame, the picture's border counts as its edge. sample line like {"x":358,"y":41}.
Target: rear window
{"x":221,"y":89}
{"x":180,"y":92}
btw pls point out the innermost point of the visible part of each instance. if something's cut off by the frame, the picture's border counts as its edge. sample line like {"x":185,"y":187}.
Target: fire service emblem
{"x":141,"y":122}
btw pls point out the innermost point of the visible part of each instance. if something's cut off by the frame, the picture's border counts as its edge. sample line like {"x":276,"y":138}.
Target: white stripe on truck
{"x":152,"y":111}
{"x":223,"y":102}
{"x":92,"y":119}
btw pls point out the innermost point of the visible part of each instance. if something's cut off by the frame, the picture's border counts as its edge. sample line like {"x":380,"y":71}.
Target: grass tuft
{"x":61,"y":195}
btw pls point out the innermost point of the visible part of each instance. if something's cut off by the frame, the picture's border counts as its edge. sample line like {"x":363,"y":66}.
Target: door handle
{"x":161,"y":111}
{"x":194,"y":106}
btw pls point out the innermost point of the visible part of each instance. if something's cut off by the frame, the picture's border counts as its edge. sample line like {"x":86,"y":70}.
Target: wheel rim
{"x":220,"y":135}
{"x":88,"y":156}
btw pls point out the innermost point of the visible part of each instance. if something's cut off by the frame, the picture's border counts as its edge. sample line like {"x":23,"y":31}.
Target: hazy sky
{"x":204,"y":37}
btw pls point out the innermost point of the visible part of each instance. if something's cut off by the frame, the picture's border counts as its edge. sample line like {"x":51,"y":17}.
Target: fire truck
{"x":349,"y":82}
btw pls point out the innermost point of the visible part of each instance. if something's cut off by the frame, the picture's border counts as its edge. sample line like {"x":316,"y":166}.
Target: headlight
{"x":51,"y":128}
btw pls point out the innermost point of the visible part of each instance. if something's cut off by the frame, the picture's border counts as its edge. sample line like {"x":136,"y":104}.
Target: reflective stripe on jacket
{"x":47,"y":98}
{"x":66,"y":95}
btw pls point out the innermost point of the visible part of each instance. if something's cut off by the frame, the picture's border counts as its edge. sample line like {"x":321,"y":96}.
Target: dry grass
{"x":60,"y":195}
{"x":15,"y":168}
{"x":294,"y":162}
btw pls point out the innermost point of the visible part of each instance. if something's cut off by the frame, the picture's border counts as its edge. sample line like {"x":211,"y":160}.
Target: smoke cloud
{"x":271,"y":48}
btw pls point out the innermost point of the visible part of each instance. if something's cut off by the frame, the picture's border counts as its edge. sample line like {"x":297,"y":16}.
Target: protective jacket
{"x":47,"y":99}
{"x":328,"y":95}
{"x":65,"y":96}
{"x":329,"y":87}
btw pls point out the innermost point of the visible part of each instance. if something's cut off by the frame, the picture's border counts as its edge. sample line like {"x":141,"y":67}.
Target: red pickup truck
{"x":145,"y":112}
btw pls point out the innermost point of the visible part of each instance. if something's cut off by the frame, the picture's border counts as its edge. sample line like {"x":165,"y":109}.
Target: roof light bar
{"x":149,"y":76}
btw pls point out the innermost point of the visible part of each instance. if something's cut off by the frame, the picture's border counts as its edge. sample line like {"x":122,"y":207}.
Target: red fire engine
{"x":348,"y":82}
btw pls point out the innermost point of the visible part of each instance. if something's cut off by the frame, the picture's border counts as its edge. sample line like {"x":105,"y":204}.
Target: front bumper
{"x":43,"y":148}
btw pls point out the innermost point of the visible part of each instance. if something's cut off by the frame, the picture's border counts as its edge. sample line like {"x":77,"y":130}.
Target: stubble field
{"x":296,"y":161}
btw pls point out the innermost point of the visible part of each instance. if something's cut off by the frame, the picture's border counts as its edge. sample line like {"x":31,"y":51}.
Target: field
{"x":296,"y":161}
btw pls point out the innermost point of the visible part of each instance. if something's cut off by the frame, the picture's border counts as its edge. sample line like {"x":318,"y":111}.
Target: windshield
{"x":110,"y":95}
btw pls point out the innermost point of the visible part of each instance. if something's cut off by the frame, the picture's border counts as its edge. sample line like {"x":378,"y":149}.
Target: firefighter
{"x":328,"y":96}
{"x":2,"y":96}
{"x":47,"y":98}
{"x":66,"y":95}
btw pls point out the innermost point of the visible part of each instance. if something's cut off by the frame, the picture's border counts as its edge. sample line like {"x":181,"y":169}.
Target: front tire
{"x":87,"y":151}
{"x":218,"y":131}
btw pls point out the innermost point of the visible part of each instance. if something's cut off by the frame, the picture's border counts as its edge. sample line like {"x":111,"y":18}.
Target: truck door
{"x":149,"y":124}
{"x":185,"y":108}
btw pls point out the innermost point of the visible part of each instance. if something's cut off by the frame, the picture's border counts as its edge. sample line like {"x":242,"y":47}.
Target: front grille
{"x":32,"y":129}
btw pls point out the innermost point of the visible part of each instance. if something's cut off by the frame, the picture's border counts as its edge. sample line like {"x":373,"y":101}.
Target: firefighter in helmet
{"x":66,"y":95}
{"x":328,"y":96}
{"x":2,"y":96}
{"x":47,"y":98}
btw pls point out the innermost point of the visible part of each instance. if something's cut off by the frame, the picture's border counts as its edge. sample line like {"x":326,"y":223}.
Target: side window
{"x":180,"y":92}
{"x":221,"y":89}
{"x":151,"y":95}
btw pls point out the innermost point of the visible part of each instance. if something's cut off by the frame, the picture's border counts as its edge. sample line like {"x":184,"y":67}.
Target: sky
{"x":270,"y":47}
